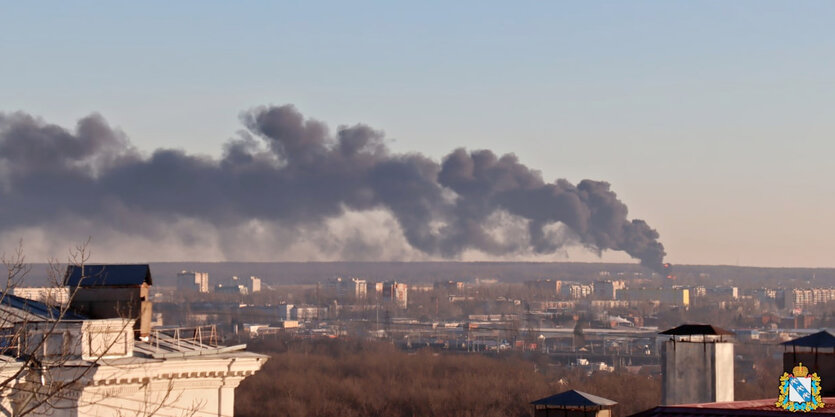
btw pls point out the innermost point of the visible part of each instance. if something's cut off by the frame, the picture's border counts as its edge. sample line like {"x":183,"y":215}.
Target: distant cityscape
{"x":597,"y":321}
{"x":696,"y":341}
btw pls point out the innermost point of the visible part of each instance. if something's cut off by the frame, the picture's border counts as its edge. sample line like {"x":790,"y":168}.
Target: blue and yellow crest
{"x":800,"y":391}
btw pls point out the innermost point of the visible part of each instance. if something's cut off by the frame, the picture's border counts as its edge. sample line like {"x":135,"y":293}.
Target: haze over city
{"x":709,"y":121}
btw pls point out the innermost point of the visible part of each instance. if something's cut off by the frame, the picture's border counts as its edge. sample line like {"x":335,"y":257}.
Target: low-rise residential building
{"x":609,"y":304}
{"x":55,"y":296}
{"x":548,"y":287}
{"x":421,"y":287}
{"x":451,"y":286}
{"x":235,"y":285}
{"x":231,"y":289}
{"x":574,"y":290}
{"x":308,"y":313}
{"x":726,"y":292}
{"x":674,"y":296}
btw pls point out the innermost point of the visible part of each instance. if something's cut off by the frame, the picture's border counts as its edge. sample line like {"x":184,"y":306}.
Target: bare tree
{"x":44,"y":369}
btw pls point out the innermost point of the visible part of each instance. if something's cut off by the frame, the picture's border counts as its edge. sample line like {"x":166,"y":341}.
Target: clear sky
{"x":711,"y":119}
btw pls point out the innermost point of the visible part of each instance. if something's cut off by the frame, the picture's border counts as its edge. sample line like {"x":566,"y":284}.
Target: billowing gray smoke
{"x":291,"y":170}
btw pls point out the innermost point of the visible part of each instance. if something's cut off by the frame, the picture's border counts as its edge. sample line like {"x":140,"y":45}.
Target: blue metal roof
{"x":38,"y":308}
{"x":107,"y":275}
{"x":822,"y":339}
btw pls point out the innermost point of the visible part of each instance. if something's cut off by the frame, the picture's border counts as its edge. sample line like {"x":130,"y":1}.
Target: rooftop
{"x":15,"y":309}
{"x":107,"y":275}
{"x":574,"y":398}
{"x":697,"y":329}
{"x":764,"y":407}
{"x":181,"y":342}
{"x":822,"y":339}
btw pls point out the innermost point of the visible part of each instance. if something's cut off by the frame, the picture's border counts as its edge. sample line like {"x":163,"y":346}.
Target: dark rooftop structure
{"x":821,"y":339}
{"x":107,"y":275}
{"x":696,"y":329}
{"x":817,"y":352}
{"x":573,"y":403}
{"x":112,"y":291}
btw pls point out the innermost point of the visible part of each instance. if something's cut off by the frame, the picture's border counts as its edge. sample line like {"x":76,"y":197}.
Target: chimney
{"x":698,"y":365}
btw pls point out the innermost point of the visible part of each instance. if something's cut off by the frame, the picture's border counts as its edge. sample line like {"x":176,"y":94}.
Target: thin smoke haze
{"x":287,"y":180}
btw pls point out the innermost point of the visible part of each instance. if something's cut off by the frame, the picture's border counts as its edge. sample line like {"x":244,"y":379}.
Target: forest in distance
{"x":294,"y":273}
{"x":347,"y":378}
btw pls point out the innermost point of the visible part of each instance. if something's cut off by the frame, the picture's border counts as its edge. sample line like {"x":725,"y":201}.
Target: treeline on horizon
{"x":347,"y":378}
{"x":277,"y":273}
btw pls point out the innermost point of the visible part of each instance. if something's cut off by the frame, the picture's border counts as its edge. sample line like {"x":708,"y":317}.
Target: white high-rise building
{"x":397,"y":293}
{"x":254,"y":284}
{"x":193,"y":281}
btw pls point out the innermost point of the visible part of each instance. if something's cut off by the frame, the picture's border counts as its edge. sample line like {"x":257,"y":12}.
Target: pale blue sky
{"x":712,"y":120}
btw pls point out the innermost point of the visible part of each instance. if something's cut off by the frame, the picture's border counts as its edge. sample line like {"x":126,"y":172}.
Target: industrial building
{"x":673,"y":296}
{"x":235,"y":285}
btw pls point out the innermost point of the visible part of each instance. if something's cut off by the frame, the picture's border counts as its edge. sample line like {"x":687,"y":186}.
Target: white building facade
{"x":59,"y":363}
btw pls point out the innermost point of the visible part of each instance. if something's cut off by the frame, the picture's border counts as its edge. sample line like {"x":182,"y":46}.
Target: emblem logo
{"x":800,"y":391}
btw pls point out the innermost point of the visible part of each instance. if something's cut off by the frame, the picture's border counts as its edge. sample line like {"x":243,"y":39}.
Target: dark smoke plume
{"x":290,"y":170}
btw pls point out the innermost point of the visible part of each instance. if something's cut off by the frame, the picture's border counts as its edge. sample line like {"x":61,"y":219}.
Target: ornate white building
{"x":60,"y":363}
